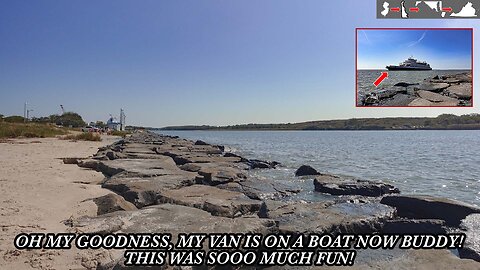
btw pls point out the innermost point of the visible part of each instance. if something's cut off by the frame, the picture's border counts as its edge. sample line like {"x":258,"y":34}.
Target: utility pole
{"x":25,"y":112}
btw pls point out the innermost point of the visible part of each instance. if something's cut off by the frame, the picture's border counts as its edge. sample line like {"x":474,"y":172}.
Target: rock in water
{"x":200,"y":142}
{"x":405,"y":84}
{"x":306,"y":170}
{"x":111,"y":203}
{"x":427,"y":207}
{"x":339,"y":186}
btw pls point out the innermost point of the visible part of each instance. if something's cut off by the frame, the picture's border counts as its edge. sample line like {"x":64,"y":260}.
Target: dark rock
{"x":306,"y":170}
{"x":200,"y":142}
{"x":262,"y":164}
{"x":427,"y":207}
{"x":414,"y":226}
{"x":339,"y":186}
{"x":218,"y":202}
{"x":72,"y":160}
{"x":404,"y":84}
{"x":471,"y":247}
{"x":111,"y":203}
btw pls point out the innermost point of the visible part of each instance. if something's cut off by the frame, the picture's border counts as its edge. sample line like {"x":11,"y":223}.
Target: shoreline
{"x":155,"y":183}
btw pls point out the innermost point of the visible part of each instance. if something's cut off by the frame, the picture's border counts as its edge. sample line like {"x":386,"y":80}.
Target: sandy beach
{"x":39,"y":191}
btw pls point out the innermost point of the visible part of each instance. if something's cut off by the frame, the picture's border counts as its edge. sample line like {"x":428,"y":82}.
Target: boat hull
{"x":407,"y":68}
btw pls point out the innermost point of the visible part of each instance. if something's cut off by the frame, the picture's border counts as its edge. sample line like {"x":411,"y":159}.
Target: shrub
{"x":86,"y":136}
{"x":29,"y":130}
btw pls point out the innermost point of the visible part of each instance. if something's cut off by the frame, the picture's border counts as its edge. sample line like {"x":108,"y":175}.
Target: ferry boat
{"x":411,"y":64}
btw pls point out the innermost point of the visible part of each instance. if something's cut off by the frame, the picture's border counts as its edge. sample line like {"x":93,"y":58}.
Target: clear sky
{"x":191,"y":61}
{"x":442,"y":49}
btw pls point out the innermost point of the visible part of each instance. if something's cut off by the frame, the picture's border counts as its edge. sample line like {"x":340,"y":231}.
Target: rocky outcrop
{"x":336,"y":185}
{"x":306,"y":170}
{"x":112,"y":203}
{"x":471,"y":247}
{"x":414,"y":226}
{"x":168,"y":218}
{"x":218,"y":202}
{"x":447,"y":90}
{"x":341,"y":217}
{"x":427,"y":207}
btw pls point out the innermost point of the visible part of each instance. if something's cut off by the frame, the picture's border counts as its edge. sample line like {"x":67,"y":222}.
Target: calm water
{"x":442,"y":163}
{"x":367,"y":77}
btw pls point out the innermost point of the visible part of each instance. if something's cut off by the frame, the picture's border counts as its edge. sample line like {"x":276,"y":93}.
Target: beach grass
{"x":29,"y":130}
{"x":84,"y":136}
{"x":122,"y":134}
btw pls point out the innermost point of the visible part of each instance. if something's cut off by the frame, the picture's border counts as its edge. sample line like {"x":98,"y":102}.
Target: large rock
{"x":427,"y":207}
{"x":168,"y":218}
{"x":112,"y":202}
{"x":342,"y":217}
{"x":434,"y":87}
{"x":220,"y":175}
{"x":261,"y":189}
{"x":218,"y":202}
{"x":463,"y":91}
{"x":134,"y":167}
{"x":420,"y":102}
{"x":414,"y":226}
{"x":336,"y":185}
{"x":471,"y":247}
{"x":143,"y":191}
{"x":397,"y":100}
{"x":434,"y":97}
{"x":306,"y":170}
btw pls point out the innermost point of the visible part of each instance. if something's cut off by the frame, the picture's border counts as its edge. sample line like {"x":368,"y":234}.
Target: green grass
{"x":122,"y":134}
{"x":29,"y":130}
{"x":85,"y":136}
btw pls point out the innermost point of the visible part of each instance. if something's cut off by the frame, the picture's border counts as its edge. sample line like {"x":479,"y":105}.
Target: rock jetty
{"x":447,"y":90}
{"x":166,"y":184}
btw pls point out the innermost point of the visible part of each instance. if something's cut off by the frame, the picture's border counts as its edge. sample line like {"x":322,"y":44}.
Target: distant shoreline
{"x":441,"y":122}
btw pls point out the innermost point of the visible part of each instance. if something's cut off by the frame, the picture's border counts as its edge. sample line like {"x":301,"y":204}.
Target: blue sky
{"x":191,"y":62}
{"x":442,"y":49}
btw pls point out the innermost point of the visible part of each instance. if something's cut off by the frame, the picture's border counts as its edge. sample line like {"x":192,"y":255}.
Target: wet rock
{"x":471,"y":247}
{"x":340,"y":186}
{"x":168,"y":218}
{"x":414,"y":226}
{"x":306,"y":170}
{"x":144,"y":191}
{"x":463,"y":91}
{"x":111,"y":203}
{"x":434,"y":87}
{"x":218,"y":202}
{"x":343,"y":217}
{"x":427,"y":207}
{"x":262,"y":164}
{"x":434,"y":97}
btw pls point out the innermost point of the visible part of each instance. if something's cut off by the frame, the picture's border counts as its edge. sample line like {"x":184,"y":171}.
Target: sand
{"x":38,"y":192}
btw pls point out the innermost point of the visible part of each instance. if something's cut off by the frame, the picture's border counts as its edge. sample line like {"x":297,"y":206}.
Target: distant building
{"x":111,"y":124}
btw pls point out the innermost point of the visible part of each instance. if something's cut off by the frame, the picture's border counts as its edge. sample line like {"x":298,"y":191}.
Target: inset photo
{"x":414,"y":67}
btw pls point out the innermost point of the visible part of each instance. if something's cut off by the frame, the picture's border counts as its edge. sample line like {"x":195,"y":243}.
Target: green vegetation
{"x":122,"y":134}
{"x":28,"y":130}
{"x":85,"y":136}
{"x":14,"y":119}
{"x":444,"y":121}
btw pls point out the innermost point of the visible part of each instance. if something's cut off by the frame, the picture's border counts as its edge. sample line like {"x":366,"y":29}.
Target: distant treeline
{"x":444,"y":121}
{"x":67,"y":119}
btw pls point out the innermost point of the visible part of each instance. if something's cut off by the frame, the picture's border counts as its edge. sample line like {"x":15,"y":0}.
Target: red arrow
{"x":414,"y":9}
{"x":380,"y":79}
{"x":395,"y":9}
{"x":447,"y":9}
